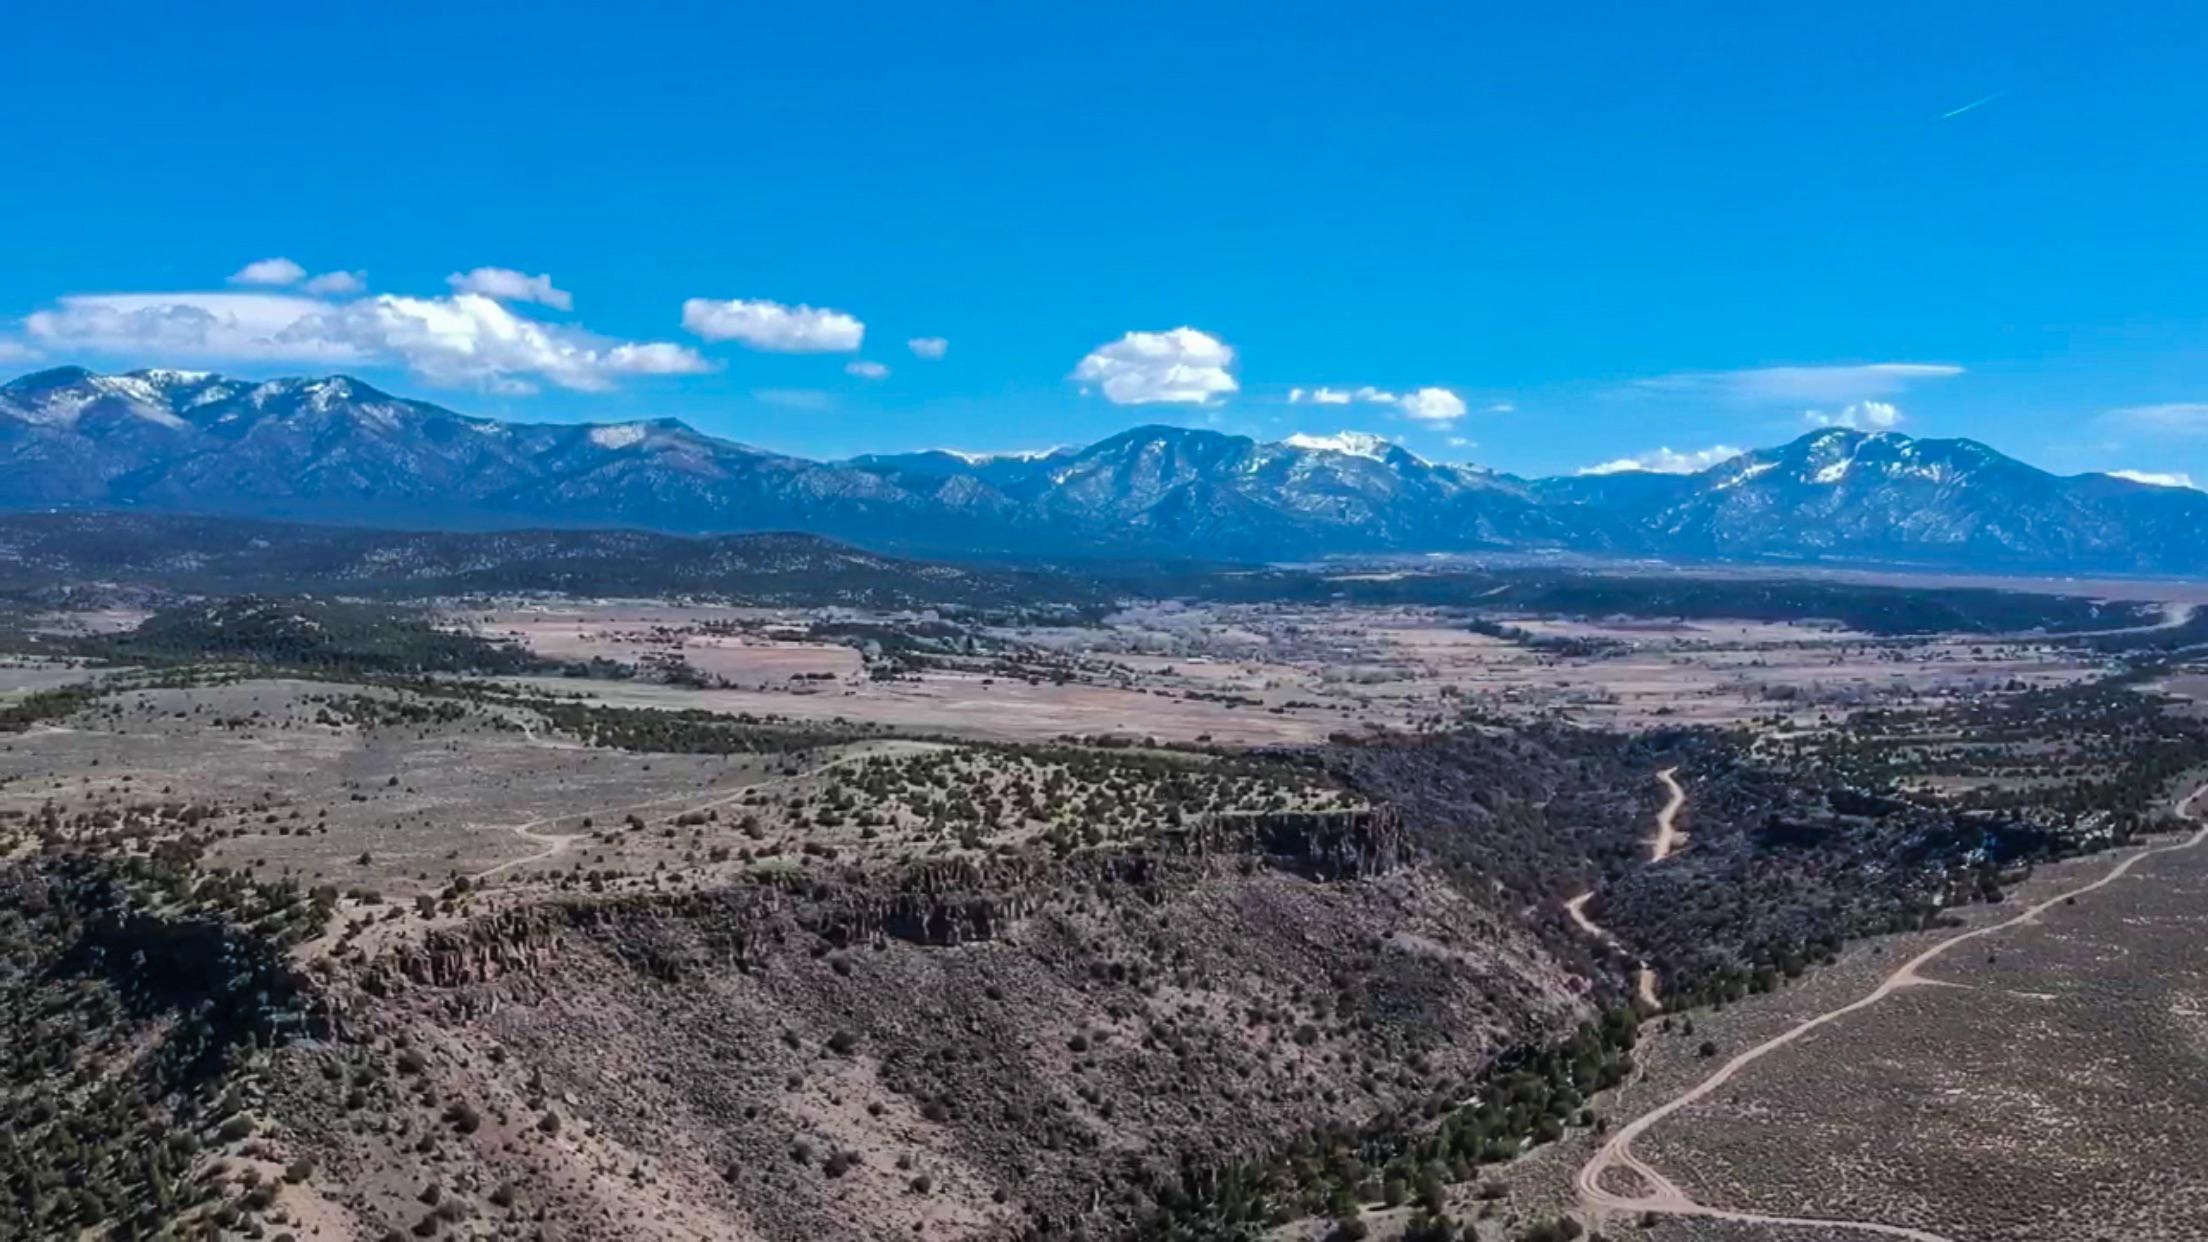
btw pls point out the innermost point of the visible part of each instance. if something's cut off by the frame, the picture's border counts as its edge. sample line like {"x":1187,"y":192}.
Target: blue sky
{"x":1599,"y":231}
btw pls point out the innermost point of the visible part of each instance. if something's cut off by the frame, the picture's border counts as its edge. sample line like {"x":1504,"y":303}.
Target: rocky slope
{"x":746,"y":1065}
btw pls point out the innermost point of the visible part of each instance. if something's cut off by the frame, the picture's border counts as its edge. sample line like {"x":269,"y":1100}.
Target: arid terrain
{"x":614,"y":919}
{"x":1273,"y":674}
{"x":1015,"y":623}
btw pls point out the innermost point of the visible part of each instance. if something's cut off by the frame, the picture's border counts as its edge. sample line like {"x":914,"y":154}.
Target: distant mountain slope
{"x":1846,"y":495}
{"x":103,"y":558}
{"x":336,"y":450}
{"x":103,"y":552}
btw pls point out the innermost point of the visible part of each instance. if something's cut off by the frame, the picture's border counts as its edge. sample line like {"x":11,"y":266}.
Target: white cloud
{"x":508,"y":285}
{"x":467,"y":339}
{"x":1861,"y":416}
{"x":1427,"y":405}
{"x":1499,"y":407}
{"x":651,"y":358}
{"x":335,"y":284}
{"x":16,"y":351}
{"x":866,"y":369}
{"x":2157,"y":478}
{"x":1823,"y":385}
{"x":931,"y":348}
{"x":1666,"y":461}
{"x":774,"y":327}
{"x":1180,"y":367}
{"x":273,"y":327}
{"x":1433,"y":405}
{"x":277,"y":271}
{"x":2182,"y":418}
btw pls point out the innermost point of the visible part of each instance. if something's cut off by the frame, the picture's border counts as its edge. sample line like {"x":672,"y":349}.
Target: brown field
{"x":630,"y":632}
{"x":1267,"y":674}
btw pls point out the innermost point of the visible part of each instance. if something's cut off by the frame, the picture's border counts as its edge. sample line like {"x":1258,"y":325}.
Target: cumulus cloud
{"x":335,"y":284}
{"x":1861,"y":416}
{"x":1666,"y":461}
{"x":774,"y":327}
{"x":1823,"y":385}
{"x":866,"y":369}
{"x":931,"y":348}
{"x":508,"y":285}
{"x":470,"y":338}
{"x":2180,"y":418}
{"x":1180,"y":367}
{"x":1433,"y":405}
{"x":463,"y":340}
{"x":278,"y":271}
{"x":2157,"y":478}
{"x":1427,"y":405}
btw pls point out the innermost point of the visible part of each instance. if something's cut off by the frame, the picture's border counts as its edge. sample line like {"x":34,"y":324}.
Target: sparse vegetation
{"x":556,"y":949}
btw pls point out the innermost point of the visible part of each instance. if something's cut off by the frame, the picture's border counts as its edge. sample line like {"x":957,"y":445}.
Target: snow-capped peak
{"x":323,"y":394}
{"x":62,"y":407}
{"x":1351,"y":443}
{"x":982,"y":459}
{"x":169,"y":376}
{"x":618,"y":435}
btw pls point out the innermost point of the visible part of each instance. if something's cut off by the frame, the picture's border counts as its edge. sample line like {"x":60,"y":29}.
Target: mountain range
{"x":335,"y":450}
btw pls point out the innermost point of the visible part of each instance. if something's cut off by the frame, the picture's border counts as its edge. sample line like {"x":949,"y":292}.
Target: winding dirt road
{"x":1660,"y":846}
{"x":1668,"y":837}
{"x":1663,"y":1197}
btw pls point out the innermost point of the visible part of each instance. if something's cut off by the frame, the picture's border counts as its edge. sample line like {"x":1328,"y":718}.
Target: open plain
{"x":1271,"y":674}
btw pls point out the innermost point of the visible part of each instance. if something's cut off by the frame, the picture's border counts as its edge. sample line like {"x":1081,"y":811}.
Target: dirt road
{"x":1663,"y":1197}
{"x":1577,"y":908}
{"x":1668,"y":836}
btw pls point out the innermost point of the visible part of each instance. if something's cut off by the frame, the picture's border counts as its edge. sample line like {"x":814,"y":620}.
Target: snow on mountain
{"x":1352,"y":443}
{"x":334,"y":449}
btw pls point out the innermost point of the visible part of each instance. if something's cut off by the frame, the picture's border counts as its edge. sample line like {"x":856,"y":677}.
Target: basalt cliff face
{"x":1038,"y":1049}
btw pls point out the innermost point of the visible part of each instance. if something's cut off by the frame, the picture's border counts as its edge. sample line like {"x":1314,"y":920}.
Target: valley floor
{"x":2041,"y":1077}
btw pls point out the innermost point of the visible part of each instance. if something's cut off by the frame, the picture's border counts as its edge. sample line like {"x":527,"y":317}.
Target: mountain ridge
{"x":335,"y":449}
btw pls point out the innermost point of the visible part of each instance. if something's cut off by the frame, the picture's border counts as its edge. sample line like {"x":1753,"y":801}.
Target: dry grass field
{"x":2043,"y":1082}
{"x":1277,"y":674}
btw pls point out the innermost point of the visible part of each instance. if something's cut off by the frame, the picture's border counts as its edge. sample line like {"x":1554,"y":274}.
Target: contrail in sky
{"x":1973,"y":104}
